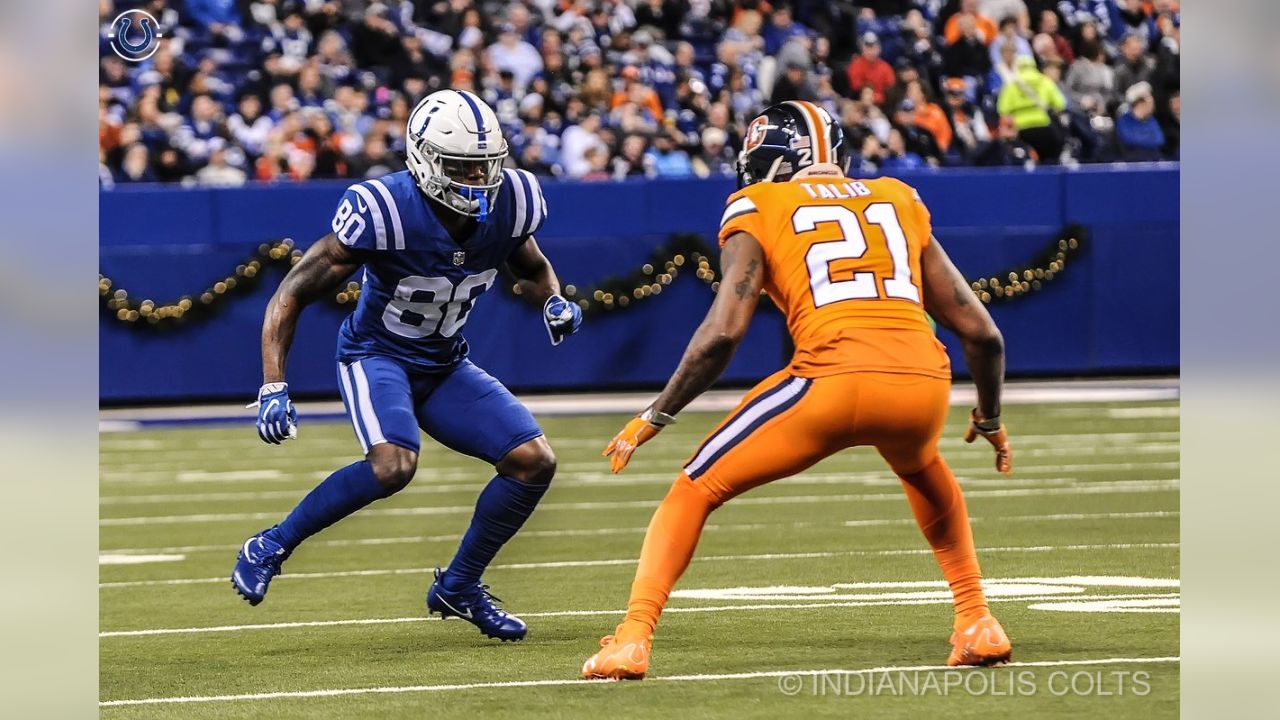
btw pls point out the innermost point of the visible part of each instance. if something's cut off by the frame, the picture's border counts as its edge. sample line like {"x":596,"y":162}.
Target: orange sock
{"x":940,"y":511}
{"x":668,"y":547}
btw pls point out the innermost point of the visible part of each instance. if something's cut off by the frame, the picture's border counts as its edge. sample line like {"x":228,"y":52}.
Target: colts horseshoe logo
{"x":134,"y":35}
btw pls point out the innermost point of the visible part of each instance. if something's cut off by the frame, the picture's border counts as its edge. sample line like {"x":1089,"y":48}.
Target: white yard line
{"x":613,"y":613}
{"x":601,"y":532}
{"x":559,"y":564}
{"x":337,"y":692}
{"x":1119,"y":486}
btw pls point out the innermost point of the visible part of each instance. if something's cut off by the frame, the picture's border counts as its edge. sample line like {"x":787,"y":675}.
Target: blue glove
{"x":277,"y":417}
{"x":562,"y":317}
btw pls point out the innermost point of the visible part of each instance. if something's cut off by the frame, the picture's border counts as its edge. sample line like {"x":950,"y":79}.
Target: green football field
{"x":819,"y":573}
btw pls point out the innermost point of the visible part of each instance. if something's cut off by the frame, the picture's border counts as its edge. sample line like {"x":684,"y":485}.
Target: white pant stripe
{"x":739,"y":426}
{"x":365,"y":405}
{"x":350,"y":397}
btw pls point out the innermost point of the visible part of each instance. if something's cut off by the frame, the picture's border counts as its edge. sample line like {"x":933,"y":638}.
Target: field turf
{"x":817,"y":562}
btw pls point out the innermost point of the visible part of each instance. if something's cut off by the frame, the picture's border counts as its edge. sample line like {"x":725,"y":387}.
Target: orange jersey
{"x":842,"y":262}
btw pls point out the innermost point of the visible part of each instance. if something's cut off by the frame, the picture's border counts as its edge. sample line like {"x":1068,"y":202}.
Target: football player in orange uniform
{"x":854,"y":266}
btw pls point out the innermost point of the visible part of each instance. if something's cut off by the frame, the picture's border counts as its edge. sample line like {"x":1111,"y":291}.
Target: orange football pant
{"x":783,"y":426}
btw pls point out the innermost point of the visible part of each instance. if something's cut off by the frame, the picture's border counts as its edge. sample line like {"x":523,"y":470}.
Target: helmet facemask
{"x":466,"y":184}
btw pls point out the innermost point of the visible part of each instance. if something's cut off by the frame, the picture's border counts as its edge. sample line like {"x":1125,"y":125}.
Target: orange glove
{"x":996,"y":435}
{"x":638,"y":431}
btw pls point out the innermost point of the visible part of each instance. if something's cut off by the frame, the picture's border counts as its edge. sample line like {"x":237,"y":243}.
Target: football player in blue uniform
{"x":430,"y":240}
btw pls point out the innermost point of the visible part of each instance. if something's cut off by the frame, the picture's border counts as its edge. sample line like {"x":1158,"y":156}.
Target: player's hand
{"x":995,"y":434}
{"x":562,"y":318}
{"x":638,"y":431}
{"x":277,"y":417}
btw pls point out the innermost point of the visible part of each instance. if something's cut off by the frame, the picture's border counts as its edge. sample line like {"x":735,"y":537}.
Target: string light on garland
{"x":1020,"y":282}
{"x":682,"y":253}
{"x":117,"y":302}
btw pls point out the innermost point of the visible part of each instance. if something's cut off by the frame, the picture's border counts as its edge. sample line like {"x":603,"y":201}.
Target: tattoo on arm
{"x":743,"y":286}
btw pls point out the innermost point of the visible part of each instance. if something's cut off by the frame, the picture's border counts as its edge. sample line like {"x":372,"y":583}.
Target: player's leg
{"x":903,"y":416}
{"x":785,"y":425}
{"x":378,"y":399}
{"x":472,"y":413}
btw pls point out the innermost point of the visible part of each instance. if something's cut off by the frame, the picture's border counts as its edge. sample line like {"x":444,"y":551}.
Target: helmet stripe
{"x":817,"y":129}
{"x":479,"y":118}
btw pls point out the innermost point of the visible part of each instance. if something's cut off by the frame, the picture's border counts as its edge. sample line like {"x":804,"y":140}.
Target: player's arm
{"x":540,"y":286}
{"x":948,"y":298}
{"x":324,"y":266}
{"x":710,"y":350}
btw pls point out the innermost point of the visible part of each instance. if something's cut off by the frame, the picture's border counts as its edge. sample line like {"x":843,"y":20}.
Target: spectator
{"x":985,"y":28}
{"x":969,"y":128}
{"x":668,"y":160}
{"x":576,"y":141}
{"x":1134,"y":65}
{"x":1081,"y":13}
{"x":249,"y":127}
{"x":374,"y":159}
{"x":897,"y":157}
{"x":967,"y":56}
{"x":1138,"y":132}
{"x":716,"y":157}
{"x":136,"y":166}
{"x":1007,"y":149}
{"x":928,"y":116}
{"x":1132,"y":18}
{"x":1090,"y":81}
{"x":1050,"y":26}
{"x":218,"y":173}
{"x":793,"y":84}
{"x":634,"y":160}
{"x":869,"y":70}
{"x":514,"y":54}
{"x":1034,"y":102}
{"x":781,"y":29}
{"x":1008,"y":35}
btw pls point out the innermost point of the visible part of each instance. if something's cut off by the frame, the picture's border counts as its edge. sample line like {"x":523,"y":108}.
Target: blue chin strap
{"x":481,"y":197}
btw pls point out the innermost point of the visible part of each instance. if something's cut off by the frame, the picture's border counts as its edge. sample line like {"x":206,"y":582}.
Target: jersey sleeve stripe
{"x":517,"y":191}
{"x":375,"y":211}
{"x":537,"y":206}
{"x":741,"y":206}
{"x":396,"y":227}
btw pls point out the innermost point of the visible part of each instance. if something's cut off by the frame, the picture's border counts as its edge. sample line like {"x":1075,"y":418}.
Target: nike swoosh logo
{"x":247,"y":555}
{"x":466,"y":615}
{"x":360,"y":204}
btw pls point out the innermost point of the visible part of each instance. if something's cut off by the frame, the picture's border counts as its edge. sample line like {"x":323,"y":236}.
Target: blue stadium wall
{"x":1114,"y":310}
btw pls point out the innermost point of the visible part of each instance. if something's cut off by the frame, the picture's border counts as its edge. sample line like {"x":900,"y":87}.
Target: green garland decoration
{"x":683,"y":254}
{"x":1033,"y":277}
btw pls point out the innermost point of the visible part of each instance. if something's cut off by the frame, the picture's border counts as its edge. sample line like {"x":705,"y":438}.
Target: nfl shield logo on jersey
{"x":459,"y":257}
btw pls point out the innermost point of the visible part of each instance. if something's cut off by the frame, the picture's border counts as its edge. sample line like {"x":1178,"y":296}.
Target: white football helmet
{"x":456,"y":150}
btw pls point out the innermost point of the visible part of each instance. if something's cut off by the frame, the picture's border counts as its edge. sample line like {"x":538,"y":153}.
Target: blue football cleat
{"x":256,"y":564}
{"x":476,"y":606}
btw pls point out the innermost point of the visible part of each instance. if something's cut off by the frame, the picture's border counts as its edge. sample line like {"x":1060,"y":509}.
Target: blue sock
{"x":342,"y":493}
{"x":503,"y":506}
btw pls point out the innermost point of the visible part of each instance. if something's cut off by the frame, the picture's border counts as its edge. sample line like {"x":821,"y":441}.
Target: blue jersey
{"x":418,"y":284}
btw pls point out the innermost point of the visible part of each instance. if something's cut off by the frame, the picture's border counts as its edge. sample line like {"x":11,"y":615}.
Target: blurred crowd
{"x":286,"y":90}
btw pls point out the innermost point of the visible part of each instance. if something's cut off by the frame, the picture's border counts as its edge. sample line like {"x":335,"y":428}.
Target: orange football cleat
{"x":620,"y":658}
{"x":982,"y":643}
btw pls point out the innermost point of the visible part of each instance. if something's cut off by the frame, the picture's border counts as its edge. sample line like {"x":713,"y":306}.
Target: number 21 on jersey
{"x":851,"y":246}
